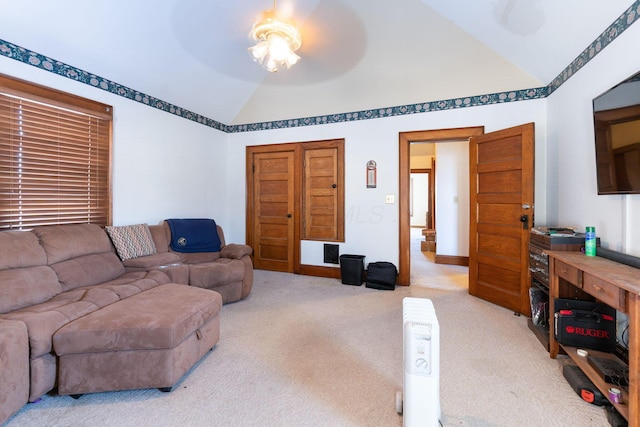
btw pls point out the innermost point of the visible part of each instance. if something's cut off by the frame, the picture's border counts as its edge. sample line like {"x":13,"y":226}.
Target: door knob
{"x":524,"y":219}
{"x":288,"y":215}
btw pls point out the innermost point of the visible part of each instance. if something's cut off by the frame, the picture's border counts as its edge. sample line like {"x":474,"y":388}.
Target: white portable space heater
{"x":420,"y":401}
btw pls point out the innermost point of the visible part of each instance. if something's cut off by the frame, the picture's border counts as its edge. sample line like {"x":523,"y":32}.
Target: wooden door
{"x":323,"y":191}
{"x":502,"y":191}
{"x":272,"y":210}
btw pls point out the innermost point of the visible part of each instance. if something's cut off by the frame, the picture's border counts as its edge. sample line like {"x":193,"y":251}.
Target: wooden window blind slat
{"x":54,"y":161}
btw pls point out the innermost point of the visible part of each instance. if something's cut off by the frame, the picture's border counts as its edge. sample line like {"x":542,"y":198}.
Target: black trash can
{"x":352,"y":269}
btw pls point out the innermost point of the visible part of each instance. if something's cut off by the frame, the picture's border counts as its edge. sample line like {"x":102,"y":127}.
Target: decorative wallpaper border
{"x":402,"y":110}
{"x":30,"y":57}
{"x":623,"y":22}
{"x":628,"y":18}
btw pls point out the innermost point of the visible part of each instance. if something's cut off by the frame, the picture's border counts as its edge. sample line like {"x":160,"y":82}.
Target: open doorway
{"x":422,"y":185}
{"x":426,"y":269}
{"x":405,"y":141}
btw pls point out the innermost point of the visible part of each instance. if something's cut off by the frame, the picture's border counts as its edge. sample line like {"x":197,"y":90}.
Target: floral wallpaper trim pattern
{"x":424,"y":107}
{"x":629,"y":17}
{"x":21,"y":54}
{"x":623,"y":22}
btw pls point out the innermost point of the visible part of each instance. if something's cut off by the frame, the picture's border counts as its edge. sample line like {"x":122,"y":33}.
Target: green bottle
{"x":590,"y":241}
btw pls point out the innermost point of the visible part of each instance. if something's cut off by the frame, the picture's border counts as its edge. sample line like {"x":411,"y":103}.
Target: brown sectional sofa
{"x":75,"y":317}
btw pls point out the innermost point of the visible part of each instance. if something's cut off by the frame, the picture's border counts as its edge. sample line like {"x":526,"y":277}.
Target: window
{"x":55,"y":151}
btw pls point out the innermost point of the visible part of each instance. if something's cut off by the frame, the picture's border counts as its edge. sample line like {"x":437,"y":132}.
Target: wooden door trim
{"x":405,"y":140}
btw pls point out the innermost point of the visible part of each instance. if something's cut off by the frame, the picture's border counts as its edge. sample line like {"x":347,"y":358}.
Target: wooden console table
{"x":574,"y":275}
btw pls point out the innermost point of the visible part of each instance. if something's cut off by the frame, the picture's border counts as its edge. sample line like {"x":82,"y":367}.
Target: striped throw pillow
{"x":131,"y":241}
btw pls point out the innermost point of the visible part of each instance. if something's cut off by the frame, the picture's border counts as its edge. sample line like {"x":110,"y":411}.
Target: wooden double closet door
{"x":294,"y":192}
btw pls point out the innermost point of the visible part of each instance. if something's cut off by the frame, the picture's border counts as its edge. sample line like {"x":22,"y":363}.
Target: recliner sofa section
{"x":228,"y":271}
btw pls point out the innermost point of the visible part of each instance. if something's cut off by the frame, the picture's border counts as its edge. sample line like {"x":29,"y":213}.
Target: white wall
{"x":420,"y":182}
{"x":371,"y":226}
{"x":163,"y":166}
{"x":419,"y":199}
{"x":452,"y":198}
{"x":572,"y":192}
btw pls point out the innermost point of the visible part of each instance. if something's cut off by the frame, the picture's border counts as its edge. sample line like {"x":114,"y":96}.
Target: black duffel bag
{"x":381,"y":275}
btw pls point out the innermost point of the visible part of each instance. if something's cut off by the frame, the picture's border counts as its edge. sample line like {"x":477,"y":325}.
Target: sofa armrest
{"x":235,"y":251}
{"x":14,"y":371}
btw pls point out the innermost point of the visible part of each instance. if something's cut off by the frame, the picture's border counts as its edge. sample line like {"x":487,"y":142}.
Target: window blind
{"x":54,"y":164}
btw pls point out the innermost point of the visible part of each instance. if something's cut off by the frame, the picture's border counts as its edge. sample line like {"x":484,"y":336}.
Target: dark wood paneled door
{"x":502,"y":195}
{"x":272,"y":219}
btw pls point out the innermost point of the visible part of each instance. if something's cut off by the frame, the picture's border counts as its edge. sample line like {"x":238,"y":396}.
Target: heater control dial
{"x":418,"y":351}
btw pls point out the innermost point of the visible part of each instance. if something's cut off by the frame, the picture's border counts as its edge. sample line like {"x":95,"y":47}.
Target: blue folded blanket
{"x":194,"y":235}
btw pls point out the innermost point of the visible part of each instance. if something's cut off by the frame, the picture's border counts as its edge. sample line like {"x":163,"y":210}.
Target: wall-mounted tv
{"x":616,"y":118}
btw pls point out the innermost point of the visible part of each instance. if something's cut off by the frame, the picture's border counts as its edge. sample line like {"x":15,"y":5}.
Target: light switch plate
{"x":389,"y":198}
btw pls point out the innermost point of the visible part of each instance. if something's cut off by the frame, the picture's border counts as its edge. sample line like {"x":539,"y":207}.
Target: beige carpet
{"x":305,"y":351}
{"x":424,"y":271}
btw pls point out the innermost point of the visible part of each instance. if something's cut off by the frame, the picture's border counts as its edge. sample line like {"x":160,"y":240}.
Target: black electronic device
{"x":616,"y":115}
{"x":611,"y":370}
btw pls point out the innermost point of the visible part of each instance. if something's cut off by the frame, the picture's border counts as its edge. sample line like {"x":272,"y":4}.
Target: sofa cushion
{"x":25,"y":278}
{"x":88,"y":270}
{"x":80,"y":254}
{"x":131,"y":241}
{"x":20,"y":249}
{"x":44,"y":319}
{"x":22,"y":287}
{"x":220,"y":272}
{"x":198,"y":257}
{"x":134,"y":282}
{"x":63,"y":242}
{"x":161,"y":236}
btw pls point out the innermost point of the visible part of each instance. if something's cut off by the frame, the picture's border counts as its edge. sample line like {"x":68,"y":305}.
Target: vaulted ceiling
{"x":356,"y":54}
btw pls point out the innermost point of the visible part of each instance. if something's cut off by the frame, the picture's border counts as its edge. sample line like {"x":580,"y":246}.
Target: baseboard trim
{"x":452,"y":260}
{"x":320,"y":271}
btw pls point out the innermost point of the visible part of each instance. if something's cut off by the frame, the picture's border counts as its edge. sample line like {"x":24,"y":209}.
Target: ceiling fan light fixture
{"x":276,"y":40}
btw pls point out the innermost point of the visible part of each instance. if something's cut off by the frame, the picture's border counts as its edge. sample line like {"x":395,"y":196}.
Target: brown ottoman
{"x":149,"y":340}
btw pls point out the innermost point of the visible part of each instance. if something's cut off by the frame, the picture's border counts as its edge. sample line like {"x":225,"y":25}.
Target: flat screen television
{"x":616,"y":119}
